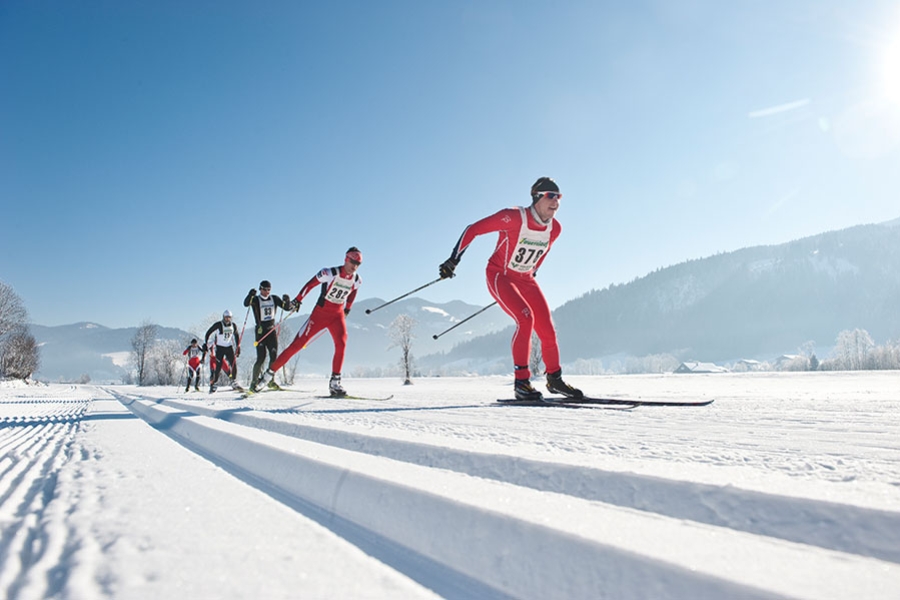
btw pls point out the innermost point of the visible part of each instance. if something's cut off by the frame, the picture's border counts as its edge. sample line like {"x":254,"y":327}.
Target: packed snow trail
{"x":787,"y":487}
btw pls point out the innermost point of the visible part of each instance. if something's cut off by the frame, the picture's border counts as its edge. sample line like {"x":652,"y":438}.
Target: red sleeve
{"x":502,"y":220}
{"x":310,"y":285}
{"x":350,"y":299}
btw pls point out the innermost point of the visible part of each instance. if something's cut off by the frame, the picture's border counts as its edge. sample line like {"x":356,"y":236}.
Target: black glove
{"x":447,"y":267}
{"x":286,"y":301}
{"x":204,"y":348}
{"x":252,"y":292}
{"x":295,"y":305}
{"x":346,"y":311}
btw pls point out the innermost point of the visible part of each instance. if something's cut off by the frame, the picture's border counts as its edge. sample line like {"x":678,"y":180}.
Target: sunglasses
{"x":354,"y":262}
{"x":549,"y":195}
{"x":264,"y":289}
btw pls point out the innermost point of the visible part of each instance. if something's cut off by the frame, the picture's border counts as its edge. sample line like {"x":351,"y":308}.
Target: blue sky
{"x":157,"y":159}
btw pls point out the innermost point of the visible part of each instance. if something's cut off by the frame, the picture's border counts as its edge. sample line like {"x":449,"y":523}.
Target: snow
{"x":787,"y":486}
{"x":120,"y":359}
{"x":439,"y":311}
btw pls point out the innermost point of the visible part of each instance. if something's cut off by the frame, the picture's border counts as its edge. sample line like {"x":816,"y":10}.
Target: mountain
{"x":71,"y":352}
{"x":751,"y":303}
{"x":757,"y":302}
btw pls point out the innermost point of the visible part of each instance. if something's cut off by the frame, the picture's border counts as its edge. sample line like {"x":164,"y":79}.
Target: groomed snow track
{"x":553,"y":530}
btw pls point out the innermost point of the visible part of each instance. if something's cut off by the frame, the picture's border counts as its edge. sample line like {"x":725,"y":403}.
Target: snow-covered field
{"x":788,"y":486}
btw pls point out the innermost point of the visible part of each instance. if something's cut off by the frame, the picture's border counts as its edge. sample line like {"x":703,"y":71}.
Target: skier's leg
{"x":510,"y":300}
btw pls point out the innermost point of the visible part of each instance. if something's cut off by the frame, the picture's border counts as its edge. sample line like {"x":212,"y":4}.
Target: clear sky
{"x":157,"y":159}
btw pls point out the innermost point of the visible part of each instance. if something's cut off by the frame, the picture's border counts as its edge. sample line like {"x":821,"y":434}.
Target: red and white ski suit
{"x":338,"y":291}
{"x":522,"y":246}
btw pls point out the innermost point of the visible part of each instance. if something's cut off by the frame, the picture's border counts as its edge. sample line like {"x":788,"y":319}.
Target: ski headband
{"x":355,"y":255}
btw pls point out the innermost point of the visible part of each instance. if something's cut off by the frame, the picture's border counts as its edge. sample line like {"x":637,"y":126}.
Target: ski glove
{"x":252,"y":292}
{"x":346,"y":311}
{"x":447,"y":268}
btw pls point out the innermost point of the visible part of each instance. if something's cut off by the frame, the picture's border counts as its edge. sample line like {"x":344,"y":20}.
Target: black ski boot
{"x":556,"y":385}
{"x":334,"y":386}
{"x":524,"y":391}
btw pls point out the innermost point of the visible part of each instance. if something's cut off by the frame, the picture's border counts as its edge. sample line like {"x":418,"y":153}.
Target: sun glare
{"x":890,"y":65}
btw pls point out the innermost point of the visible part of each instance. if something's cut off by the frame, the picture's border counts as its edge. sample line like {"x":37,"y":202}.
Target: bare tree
{"x":164,"y":361}
{"x":401,"y":333}
{"x":141,"y":345}
{"x":12,"y":311}
{"x":19,"y":355}
{"x":853,"y":348}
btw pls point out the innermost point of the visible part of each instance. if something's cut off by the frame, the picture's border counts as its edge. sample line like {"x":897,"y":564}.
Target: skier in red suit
{"x":195,"y":356}
{"x":338,"y":286}
{"x":526,"y":235}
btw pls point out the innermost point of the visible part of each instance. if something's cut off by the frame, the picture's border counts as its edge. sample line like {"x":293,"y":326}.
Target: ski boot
{"x":212,"y":388}
{"x":556,"y":385}
{"x":265,"y":380}
{"x":236,"y":386}
{"x":273,"y":386}
{"x":197,"y":388}
{"x":524,"y":391}
{"x":334,"y":386}
{"x":187,"y":389}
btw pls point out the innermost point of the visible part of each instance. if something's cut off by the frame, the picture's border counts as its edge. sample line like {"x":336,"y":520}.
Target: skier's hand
{"x":346,"y":311}
{"x":252,"y":292}
{"x":259,"y":329}
{"x":205,"y":348}
{"x":237,"y":352}
{"x":448,"y":267}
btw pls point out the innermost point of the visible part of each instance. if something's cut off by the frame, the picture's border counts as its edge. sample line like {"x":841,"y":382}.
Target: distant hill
{"x":69,"y":352}
{"x":755,"y":302}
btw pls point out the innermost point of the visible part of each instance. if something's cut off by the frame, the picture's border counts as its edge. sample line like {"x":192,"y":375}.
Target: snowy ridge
{"x":510,"y":506}
{"x":786,"y":487}
{"x":826,"y":524}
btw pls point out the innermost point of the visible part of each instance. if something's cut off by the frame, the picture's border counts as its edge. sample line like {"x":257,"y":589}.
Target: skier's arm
{"x":498,"y":221}
{"x":310,"y":285}
{"x":350,"y":299}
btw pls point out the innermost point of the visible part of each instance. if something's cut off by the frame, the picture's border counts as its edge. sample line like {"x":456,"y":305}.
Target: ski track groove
{"x":37,"y":451}
{"x":37,"y":432}
{"x":733,"y":509}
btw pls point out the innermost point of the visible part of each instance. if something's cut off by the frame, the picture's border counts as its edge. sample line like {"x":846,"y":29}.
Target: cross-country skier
{"x":338,"y":287}
{"x":195,"y":355}
{"x":525,"y":236}
{"x":264,"y":306}
{"x":224,"y":342}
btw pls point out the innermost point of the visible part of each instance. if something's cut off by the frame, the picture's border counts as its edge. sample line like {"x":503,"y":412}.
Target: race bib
{"x":339,"y":290}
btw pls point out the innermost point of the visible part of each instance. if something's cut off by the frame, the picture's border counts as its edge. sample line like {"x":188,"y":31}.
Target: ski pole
{"x":371,"y":310}
{"x":437,"y":335}
{"x":244,"y":326}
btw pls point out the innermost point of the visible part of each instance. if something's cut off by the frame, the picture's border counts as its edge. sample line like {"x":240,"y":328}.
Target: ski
{"x":589,"y":401}
{"x":349,"y":397}
{"x":587,"y":405}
